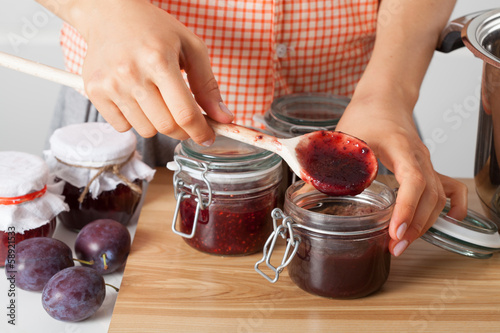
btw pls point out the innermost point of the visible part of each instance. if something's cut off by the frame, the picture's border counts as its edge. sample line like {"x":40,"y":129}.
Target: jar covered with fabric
{"x":103,"y":174}
{"x":29,"y":201}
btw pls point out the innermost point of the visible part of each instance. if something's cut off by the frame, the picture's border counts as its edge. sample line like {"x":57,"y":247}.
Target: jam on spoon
{"x":336,"y":163}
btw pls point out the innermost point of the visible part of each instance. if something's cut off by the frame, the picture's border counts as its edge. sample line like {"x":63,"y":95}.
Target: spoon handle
{"x":42,"y":71}
{"x":247,"y":135}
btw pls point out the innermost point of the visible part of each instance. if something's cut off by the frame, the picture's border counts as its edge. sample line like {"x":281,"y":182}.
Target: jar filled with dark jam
{"x":337,"y":246}
{"x":29,"y":203}
{"x":225,"y":194}
{"x":101,"y":171}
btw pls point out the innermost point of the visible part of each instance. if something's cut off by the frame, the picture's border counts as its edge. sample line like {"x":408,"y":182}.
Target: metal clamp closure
{"x":195,"y":190}
{"x":286,"y":227}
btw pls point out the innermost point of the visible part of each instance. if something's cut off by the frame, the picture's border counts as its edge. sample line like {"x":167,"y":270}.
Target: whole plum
{"x":74,"y":294}
{"x":36,"y":260}
{"x":104,"y":242}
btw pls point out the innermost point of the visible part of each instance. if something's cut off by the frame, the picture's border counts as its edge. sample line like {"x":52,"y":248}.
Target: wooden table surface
{"x":170,"y":287}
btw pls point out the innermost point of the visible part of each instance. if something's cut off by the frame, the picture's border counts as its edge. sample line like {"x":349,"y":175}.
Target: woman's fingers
{"x":133,"y":74}
{"x":179,"y":100}
{"x":411,"y":221}
{"x":421,"y":196}
{"x":203,"y":84}
{"x":457,"y":192}
{"x":152,"y":104}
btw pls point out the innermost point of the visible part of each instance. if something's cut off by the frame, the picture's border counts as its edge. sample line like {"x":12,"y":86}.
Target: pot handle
{"x":451,"y":36}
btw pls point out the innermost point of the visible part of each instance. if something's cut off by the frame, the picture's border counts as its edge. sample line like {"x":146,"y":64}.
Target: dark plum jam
{"x":118,"y":204}
{"x":231,"y":225}
{"x":350,"y":268}
{"x":343,"y":251}
{"x":46,"y":230}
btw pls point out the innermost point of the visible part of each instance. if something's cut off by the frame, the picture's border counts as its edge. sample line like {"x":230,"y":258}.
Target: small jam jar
{"x":29,"y":204}
{"x":337,"y":247}
{"x":225,"y":194}
{"x":101,"y":170}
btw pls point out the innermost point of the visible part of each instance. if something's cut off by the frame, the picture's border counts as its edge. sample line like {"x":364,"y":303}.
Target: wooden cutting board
{"x":170,"y":287}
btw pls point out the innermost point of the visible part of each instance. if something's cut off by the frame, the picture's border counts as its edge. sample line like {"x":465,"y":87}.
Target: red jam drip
{"x":336,"y":163}
{"x":46,"y":230}
{"x":118,"y":204}
{"x":229,"y":227}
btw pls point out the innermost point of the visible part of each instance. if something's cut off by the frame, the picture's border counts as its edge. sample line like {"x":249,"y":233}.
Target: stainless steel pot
{"x":480,"y":33}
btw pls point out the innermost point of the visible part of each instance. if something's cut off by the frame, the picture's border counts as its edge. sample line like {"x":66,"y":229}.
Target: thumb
{"x":205,"y":88}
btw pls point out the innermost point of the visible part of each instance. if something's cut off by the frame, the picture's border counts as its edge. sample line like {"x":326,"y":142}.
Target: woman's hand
{"x":381,"y":111}
{"x":132,"y":70}
{"x":389,"y":130}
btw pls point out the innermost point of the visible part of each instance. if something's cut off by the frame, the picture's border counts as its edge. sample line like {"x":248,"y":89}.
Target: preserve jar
{"x":29,"y":203}
{"x":337,"y":247}
{"x":225,"y":194}
{"x":102,"y":173}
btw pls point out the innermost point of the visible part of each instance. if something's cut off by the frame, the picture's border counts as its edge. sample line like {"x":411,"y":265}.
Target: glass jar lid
{"x":226,"y":162}
{"x":475,"y":236}
{"x":297,"y":114}
{"x":225,"y":156}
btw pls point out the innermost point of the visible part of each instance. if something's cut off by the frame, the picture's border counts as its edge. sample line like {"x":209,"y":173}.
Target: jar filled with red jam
{"x":29,"y":203}
{"x":225,"y":194}
{"x":337,"y":247}
{"x":101,"y":171}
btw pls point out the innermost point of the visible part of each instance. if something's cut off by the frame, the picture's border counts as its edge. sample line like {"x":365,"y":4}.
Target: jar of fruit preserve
{"x":337,"y":247}
{"x":101,"y":170}
{"x":29,"y":203}
{"x":225,"y":194}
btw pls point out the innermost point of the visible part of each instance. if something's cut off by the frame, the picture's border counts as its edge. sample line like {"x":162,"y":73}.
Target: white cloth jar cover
{"x":78,"y":153}
{"x":28,"y":199}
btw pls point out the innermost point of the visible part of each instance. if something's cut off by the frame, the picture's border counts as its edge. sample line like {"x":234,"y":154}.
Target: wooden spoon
{"x":335,"y":163}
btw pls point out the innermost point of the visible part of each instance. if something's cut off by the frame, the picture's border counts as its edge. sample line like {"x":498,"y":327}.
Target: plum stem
{"x":110,"y":285}
{"x":85,"y":262}
{"x":104,"y":261}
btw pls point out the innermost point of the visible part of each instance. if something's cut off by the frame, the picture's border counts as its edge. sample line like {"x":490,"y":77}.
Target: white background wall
{"x":26,"y":103}
{"x":446,"y":112}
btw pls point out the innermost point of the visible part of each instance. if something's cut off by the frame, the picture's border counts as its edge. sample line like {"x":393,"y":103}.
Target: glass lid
{"x":224,"y":155}
{"x":224,"y":150}
{"x":475,"y":236}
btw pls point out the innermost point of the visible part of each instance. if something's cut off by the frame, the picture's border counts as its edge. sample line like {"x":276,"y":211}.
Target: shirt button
{"x":281,"y":50}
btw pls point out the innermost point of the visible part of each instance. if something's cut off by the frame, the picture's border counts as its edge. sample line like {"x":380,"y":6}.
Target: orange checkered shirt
{"x":262,"y":49}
